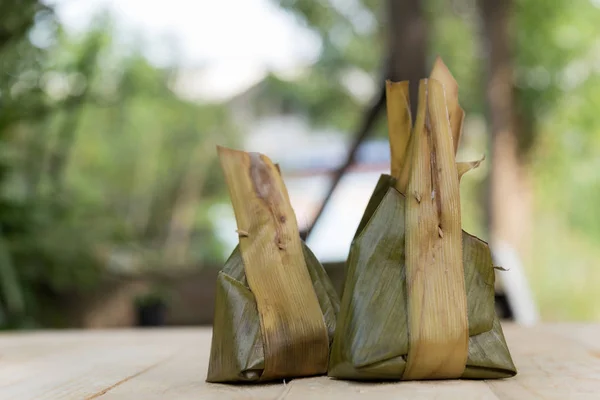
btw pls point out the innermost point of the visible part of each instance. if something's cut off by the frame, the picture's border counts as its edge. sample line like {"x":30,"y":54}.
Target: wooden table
{"x":556,"y":361}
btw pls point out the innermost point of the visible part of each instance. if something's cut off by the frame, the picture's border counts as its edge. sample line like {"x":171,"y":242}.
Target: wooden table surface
{"x":558,"y":361}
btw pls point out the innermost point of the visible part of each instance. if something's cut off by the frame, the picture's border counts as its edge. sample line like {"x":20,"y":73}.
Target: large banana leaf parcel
{"x":276,"y":308}
{"x":418,"y":300}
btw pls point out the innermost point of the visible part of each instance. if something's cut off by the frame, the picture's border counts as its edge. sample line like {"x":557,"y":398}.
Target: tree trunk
{"x":508,"y":211}
{"x":407,"y":45}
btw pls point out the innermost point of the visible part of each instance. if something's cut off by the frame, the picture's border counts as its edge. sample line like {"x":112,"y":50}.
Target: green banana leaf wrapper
{"x":371,"y":340}
{"x":237,"y":345}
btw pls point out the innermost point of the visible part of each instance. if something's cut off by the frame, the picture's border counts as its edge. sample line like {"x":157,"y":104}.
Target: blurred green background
{"x":105,"y":156}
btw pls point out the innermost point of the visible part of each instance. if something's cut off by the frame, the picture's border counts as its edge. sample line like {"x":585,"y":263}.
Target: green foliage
{"x":20,"y":99}
{"x":559,"y":94}
{"x":552,"y":40}
{"x":97,"y":158}
{"x":325,"y":92}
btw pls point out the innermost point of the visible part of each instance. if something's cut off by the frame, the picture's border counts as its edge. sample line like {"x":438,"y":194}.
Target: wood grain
{"x":182,"y":378}
{"x":553,"y":364}
{"x":555,"y":361}
{"x":76,"y":366}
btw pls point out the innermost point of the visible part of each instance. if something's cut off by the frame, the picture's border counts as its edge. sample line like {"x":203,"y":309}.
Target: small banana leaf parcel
{"x":276,"y":308}
{"x":418,"y":300}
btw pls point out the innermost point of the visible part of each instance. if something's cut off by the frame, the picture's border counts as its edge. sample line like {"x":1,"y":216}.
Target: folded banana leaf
{"x":418,"y":300}
{"x":237,"y":346}
{"x":371,"y":341}
{"x":276,"y":309}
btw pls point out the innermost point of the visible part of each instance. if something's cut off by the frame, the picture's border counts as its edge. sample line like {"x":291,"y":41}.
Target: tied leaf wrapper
{"x":275,"y":309}
{"x":372,"y":337}
{"x":418,"y":300}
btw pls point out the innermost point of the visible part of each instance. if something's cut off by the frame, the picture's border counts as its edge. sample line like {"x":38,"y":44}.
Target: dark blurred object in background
{"x":151,"y":308}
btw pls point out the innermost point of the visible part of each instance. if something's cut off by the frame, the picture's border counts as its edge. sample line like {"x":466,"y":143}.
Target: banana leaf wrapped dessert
{"x":276,"y":308}
{"x":418,"y":300}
